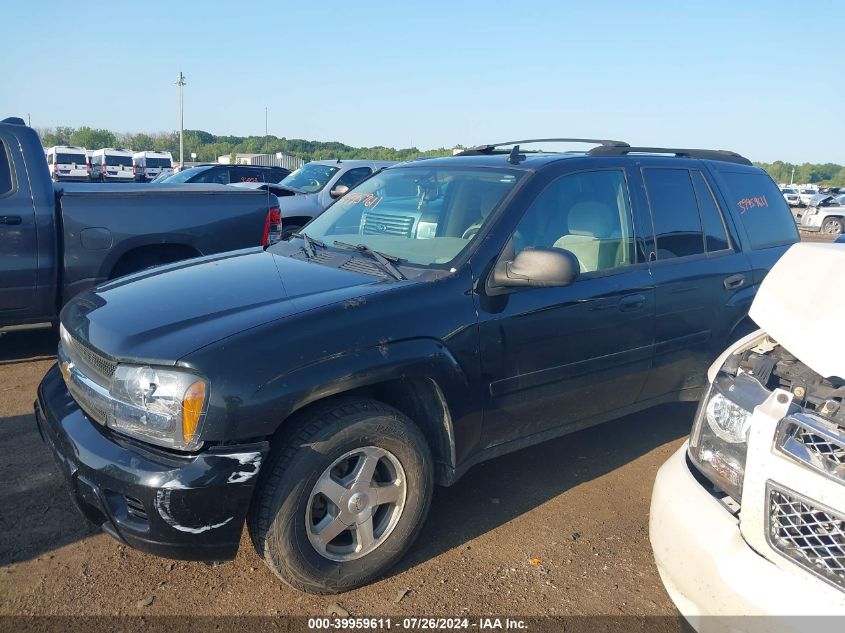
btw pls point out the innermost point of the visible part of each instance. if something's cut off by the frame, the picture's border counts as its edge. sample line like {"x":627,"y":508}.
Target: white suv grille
{"x":807,"y":532}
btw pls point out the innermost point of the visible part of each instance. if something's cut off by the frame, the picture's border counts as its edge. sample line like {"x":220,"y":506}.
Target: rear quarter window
{"x":759,"y":204}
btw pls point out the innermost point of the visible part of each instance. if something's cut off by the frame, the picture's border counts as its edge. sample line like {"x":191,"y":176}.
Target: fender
{"x":425,"y":358}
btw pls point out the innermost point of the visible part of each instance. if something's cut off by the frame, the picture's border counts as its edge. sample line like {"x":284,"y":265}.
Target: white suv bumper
{"x":709,"y":570}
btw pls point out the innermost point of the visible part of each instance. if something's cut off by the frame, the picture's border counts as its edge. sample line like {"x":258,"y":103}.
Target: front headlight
{"x":719,"y":439}
{"x":161,"y":406}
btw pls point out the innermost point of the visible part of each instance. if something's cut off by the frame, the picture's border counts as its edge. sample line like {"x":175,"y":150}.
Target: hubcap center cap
{"x":358,"y":502}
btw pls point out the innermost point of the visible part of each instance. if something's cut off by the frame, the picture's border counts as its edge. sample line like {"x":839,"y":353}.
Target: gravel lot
{"x":578,"y":505}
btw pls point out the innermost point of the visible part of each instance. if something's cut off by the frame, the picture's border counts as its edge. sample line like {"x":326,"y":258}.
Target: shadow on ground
{"x":502,"y":489}
{"x":27,"y":346}
{"x":38,"y":514}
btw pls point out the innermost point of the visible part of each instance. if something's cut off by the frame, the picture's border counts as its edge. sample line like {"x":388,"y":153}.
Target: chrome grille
{"x":808,"y":533}
{"x":385,"y":224}
{"x":826,"y":448}
{"x":814,"y":442}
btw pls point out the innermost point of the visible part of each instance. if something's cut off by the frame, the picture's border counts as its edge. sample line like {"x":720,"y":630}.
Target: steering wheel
{"x":471,"y":232}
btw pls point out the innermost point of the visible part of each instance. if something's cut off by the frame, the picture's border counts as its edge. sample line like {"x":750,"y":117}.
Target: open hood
{"x":800,"y":305}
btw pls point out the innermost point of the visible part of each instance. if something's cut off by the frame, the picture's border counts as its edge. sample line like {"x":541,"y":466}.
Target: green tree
{"x":90,"y":138}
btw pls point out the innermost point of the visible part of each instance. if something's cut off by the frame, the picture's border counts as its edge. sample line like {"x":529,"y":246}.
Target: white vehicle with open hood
{"x":748,"y":517}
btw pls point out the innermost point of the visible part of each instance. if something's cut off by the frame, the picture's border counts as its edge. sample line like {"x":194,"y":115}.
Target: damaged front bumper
{"x":188,"y":507}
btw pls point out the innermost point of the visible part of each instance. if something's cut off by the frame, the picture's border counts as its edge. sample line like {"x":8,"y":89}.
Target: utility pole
{"x":792,"y":177}
{"x":180,"y":81}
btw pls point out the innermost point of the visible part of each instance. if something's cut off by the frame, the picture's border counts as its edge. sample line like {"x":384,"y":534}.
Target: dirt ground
{"x":578,"y":504}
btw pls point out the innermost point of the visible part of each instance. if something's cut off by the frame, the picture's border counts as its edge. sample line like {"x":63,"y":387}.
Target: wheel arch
{"x":419,"y":378}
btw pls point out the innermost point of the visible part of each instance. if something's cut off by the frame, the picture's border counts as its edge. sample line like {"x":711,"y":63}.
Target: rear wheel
{"x":833,"y":226}
{"x":343,"y":498}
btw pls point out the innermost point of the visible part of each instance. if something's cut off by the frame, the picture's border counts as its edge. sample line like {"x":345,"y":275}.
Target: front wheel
{"x":833,"y":226}
{"x":343,"y":498}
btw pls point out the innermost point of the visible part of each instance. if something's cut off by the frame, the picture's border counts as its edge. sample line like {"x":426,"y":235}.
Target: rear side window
{"x":5,"y":171}
{"x":245,"y":174}
{"x":715,"y":235}
{"x":677,"y":226}
{"x":761,"y":208}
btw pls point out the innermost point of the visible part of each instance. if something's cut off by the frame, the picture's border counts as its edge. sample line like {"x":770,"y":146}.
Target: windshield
{"x":186,"y":174}
{"x":67,"y":159}
{"x":114,"y":161}
{"x":424,"y":216}
{"x":309,"y":178}
{"x":790,"y":191}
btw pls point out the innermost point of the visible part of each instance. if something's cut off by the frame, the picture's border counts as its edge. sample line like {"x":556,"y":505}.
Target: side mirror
{"x":338,"y":191}
{"x":537,"y":268}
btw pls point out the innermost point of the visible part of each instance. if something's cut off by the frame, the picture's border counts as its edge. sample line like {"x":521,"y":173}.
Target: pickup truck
{"x":58,"y":240}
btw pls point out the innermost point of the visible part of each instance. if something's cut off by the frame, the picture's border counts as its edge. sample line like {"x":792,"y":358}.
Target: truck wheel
{"x":833,"y":226}
{"x":343,"y":497}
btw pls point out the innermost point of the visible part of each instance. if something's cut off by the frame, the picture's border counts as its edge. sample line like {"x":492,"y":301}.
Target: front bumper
{"x":709,"y":570}
{"x":189,"y":507}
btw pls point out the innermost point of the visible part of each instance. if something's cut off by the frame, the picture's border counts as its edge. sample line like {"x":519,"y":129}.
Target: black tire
{"x":276,"y":519}
{"x":833,"y":226}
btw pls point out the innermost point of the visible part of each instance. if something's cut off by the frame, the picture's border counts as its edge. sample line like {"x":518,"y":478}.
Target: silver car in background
{"x":308,"y":191}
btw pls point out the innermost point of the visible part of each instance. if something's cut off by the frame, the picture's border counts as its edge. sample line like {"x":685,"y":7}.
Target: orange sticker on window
{"x":370,"y":200}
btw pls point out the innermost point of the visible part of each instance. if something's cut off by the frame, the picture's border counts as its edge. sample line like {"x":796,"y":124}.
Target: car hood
{"x":799,"y":307}
{"x":160,"y":316}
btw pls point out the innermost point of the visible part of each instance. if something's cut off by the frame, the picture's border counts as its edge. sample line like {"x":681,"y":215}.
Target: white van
{"x":111,"y":165}
{"x":150,"y":165}
{"x":68,"y":162}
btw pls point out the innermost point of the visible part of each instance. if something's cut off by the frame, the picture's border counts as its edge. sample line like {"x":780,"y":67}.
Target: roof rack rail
{"x":704,"y":154}
{"x":491,"y":147}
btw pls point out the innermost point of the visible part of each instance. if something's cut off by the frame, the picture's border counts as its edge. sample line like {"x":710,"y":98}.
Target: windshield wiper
{"x":384,"y":259}
{"x":308,"y":244}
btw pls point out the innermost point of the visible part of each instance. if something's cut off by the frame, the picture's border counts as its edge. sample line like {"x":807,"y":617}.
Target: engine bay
{"x":774,"y":367}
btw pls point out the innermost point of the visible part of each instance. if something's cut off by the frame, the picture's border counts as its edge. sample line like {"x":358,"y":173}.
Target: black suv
{"x":227,"y":174}
{"x":443,"y":312}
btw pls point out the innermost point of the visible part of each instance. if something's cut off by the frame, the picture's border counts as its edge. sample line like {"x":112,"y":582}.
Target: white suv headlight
{"x":719,"y":440}
{"x":161,"y":406}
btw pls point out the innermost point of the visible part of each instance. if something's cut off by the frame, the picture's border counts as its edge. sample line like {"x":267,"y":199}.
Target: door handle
{"x":734,"y":281}
{"x":631,"y":302}
{"x":10,"y":219}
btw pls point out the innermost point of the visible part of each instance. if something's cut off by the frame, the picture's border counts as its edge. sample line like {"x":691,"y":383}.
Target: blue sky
{"x":763,"y":78}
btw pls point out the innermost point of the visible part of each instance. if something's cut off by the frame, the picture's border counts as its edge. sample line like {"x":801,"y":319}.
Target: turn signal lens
{"x":192,"y":404}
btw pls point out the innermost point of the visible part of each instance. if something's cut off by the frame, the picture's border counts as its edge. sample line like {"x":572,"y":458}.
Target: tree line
{"x":829,"y":174}
{"x":209,"y":146}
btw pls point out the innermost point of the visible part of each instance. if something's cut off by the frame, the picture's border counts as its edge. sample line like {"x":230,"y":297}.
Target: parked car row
{"x":108,"y":164}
